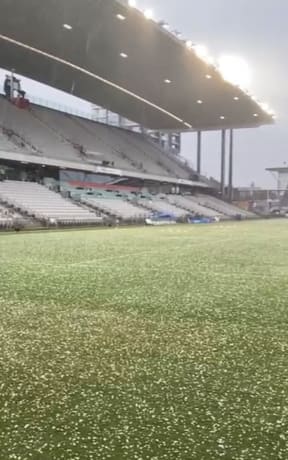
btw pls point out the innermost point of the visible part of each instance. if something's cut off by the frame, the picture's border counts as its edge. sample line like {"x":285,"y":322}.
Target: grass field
{"x":145,"y":344}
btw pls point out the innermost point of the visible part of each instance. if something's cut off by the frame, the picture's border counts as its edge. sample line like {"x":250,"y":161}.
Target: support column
{"x":12,"y":85}
{"x":231,"y":162}
{"x":199,"y":152}
{"x":223,"y":162}
{"x":120,"y":121}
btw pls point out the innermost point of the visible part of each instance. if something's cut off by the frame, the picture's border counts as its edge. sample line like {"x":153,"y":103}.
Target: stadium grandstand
{"x":123,"y":339}
{"x":99,"y":51}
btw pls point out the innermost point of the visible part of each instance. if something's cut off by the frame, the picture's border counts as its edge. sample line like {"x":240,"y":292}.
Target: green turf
{"x":145,"y":344}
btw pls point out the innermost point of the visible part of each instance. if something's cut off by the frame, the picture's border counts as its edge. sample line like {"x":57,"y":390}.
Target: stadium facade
{"x":282,"y":176}
{"x":118,"y":58}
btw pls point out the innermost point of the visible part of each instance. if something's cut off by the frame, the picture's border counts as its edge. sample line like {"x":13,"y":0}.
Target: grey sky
{"x":257,"y":31}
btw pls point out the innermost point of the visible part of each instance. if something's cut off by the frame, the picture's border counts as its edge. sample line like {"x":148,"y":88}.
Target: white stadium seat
{"x":48,"y":133}
{"x":120,"y":208}
{"x":43,"y":204}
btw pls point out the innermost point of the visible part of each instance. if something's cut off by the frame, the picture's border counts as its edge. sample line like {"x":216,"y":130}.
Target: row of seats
{"x":5,"y":144}
{"x":178,"y":205}
{"x":37,"y":135}
{"x":46,"y":132}
{"x":126,"y":149}
{"x":79,"y":133}
{"x":187,"y":202}
{"x":171,"y":165}
{"x":119,"y":208}
{"x":139,"y":208}
{"x":164,"y":206}
{"x":130,"y":206}
{"x":209,"y":206}
{"x":37,"y":201}
{"x":41,"y":203}
{"x":222,"y":207}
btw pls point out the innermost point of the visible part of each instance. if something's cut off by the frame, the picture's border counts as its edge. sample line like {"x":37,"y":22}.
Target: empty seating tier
{"x":221,"y":206}
{"x":36,"y":135}
{"x":37,"y":201}
{"x":49,"y":133}
{"x":117,"y":207}
{"x":5,"y":143}
{"x":187,"y":202}
{"x":163,"y":206}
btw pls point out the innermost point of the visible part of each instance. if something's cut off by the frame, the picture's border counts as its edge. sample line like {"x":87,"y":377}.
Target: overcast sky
{"x":256,"y":30}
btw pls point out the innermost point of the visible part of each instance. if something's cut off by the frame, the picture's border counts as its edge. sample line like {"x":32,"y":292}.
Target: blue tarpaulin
{"x":162,"y":216}
{"x":201,"y":220}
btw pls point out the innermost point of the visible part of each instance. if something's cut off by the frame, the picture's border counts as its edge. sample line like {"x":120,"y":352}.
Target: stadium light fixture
{"x":201,"y":50}
{"x":203,"y":53}
{"x":199,"y":102}
{"x":264,"y":106}
{"x":222,"y":117}
{"x":256,"y":115}
{"x":148,"y":14}
{"x":271,"y":112}
{"x":124,"y":55}
{"x":209,"y":60}
{"x":132,"y":3}
{"x":267,"y":109}
{"x":208,"y":76}
{"x":235,"y":70}
{"x":236,"y":98}
{"x":167,"y":81}
{"x":121,"y":17}
{"x":67,"y":27}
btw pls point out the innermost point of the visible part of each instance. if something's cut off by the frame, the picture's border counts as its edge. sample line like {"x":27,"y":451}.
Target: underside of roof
{"x":85,"y":60}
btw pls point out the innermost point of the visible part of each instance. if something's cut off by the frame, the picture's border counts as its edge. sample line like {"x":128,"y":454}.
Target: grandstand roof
{"x":280,"y":169}
{"x":76,"y":46}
